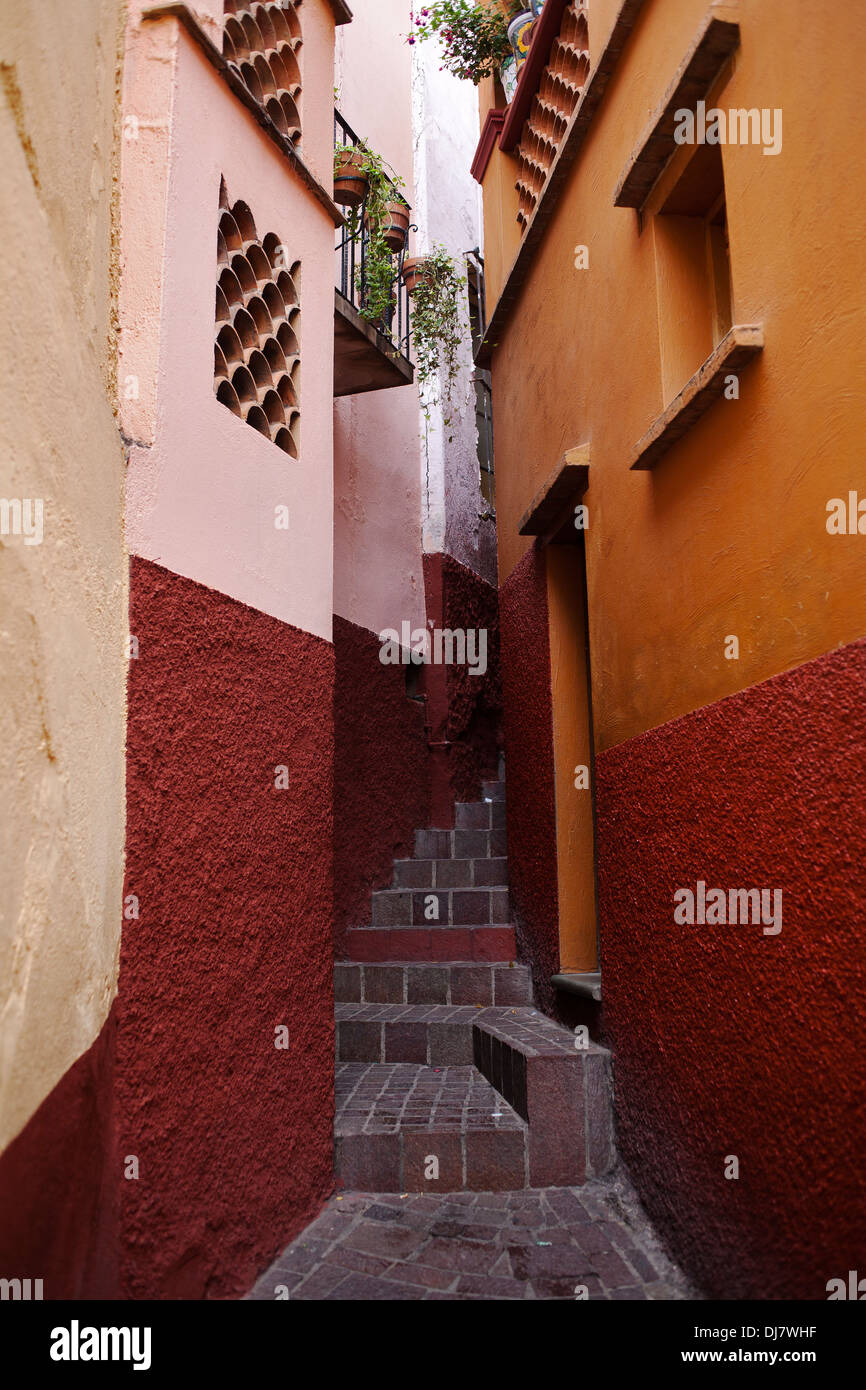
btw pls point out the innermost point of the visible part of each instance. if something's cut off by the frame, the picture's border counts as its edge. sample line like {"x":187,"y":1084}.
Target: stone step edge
{"x":394,"y":1160}
{"x":556,"y":1092}
{"x":489,"y":945}
{"x":480,"y":987}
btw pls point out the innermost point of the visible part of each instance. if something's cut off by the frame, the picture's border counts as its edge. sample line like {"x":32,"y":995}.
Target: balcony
{"x":368,"y":356}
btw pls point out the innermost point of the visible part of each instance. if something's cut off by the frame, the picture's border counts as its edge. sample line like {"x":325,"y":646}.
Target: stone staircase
{"x":447,"y":1078}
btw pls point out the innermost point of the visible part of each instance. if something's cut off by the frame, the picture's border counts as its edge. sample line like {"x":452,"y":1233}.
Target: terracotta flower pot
{"x":350,"y":181}
{"x":415,"y":272}
{"x":395,"y":226}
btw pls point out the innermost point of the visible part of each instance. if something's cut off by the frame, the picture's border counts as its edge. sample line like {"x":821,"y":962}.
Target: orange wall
{"x":728,"y":534}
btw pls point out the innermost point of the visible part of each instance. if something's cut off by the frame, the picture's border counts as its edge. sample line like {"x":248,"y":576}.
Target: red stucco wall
{"x":529,"y":769}
{"x":382,"y":774}
{"x":726,"y":1041}
{"x":59,"y":1184}
{"x":234,"y":880}
{"x":464,"y":710}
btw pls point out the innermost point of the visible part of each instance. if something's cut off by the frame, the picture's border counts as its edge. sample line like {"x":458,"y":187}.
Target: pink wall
{"x":378,"y":579}
{"x":233,"y":680}
{"x":202,"y":485}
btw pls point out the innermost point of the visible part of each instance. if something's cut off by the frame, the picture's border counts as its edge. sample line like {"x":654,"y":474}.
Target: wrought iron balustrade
{"x":352,"y":252}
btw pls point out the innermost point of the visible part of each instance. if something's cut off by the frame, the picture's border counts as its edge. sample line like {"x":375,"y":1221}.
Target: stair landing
{"x":398,"y":1124}
{"x":447,"y":1078}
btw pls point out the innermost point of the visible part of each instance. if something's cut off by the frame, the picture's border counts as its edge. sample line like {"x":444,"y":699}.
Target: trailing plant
{"x":374,"y":280}
{"x":474,"y":37}
{"x":437,"y":326}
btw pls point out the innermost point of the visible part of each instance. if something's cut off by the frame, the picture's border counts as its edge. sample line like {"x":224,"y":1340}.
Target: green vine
{"x":375,"y":283}
{"x":437,"y":327}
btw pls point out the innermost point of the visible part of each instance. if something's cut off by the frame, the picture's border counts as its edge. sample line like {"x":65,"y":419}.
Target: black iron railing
{"x":351,"y":268}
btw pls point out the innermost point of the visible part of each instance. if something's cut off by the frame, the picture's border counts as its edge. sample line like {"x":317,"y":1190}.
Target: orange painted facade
{"x":727,"y":535}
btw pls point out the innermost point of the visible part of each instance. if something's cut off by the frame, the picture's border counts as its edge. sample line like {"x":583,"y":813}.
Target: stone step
{"x":494,"y":943}
{"x":479,"y":815}
{"x":563,"y":1092}
{"x":451,"y":873}
{"x":437,"y":1035}
{"x":393,"y":1120}
{"x":493,"y":791}
{"x":460,"y":844}
{"x":446,"y":907}
{"x":440,"y":983}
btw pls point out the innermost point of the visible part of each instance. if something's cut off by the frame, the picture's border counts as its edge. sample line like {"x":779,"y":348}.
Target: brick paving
{"x":533,"y":1244}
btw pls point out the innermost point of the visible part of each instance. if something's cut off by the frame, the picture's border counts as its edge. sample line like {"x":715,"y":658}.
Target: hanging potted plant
{"x":395,"y":224}
{"x":414,"y":271}
{"x":385,"y":226}
{"x":474,"y":37}
{"x":437,"y":290}
{"x":350,"y":180}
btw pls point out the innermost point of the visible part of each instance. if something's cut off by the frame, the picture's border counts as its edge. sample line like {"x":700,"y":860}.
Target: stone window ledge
{"x":735,"y":351}
{"x":717,"y":40}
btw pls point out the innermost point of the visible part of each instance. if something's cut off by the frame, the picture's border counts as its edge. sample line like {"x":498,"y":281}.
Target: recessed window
{"x":693,"y":266}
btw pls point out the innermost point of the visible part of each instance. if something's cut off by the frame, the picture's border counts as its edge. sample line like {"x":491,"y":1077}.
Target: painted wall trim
{"x":342,"y":13}
{"x":493,"y":123}
{"x":546,"y":30}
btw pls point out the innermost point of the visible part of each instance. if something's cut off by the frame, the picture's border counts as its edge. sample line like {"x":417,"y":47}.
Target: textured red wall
{"x":463,"y":710}
{"x":529,"y":769}
{"x":234,"y":879}
{"x":59,"y":1184}
{"x":381,"y":774}
{"x":727,"y":1041}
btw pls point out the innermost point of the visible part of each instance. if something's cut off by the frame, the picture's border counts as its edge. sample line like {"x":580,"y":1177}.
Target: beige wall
{"x":62,"y":602}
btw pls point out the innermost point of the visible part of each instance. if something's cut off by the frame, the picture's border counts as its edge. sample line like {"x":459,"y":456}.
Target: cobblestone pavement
{"x":537,"y":1243}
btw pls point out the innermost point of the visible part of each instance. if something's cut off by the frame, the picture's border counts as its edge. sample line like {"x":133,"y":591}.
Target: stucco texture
{"x":381,"y":776}
{"x":63,"y":617}
{"x":727,"y":1041}
{"x":59,"y":1183}
{"x":233,"y":940}
{"x":464,"y":710}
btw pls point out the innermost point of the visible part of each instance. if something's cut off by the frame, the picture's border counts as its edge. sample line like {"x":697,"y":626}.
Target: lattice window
{"x":257,"y":360}
{"x":261,"y":42}
{"x":552,"y":107}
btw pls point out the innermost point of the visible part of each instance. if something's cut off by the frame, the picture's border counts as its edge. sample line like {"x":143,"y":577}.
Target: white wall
{"x":447,"y":211}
